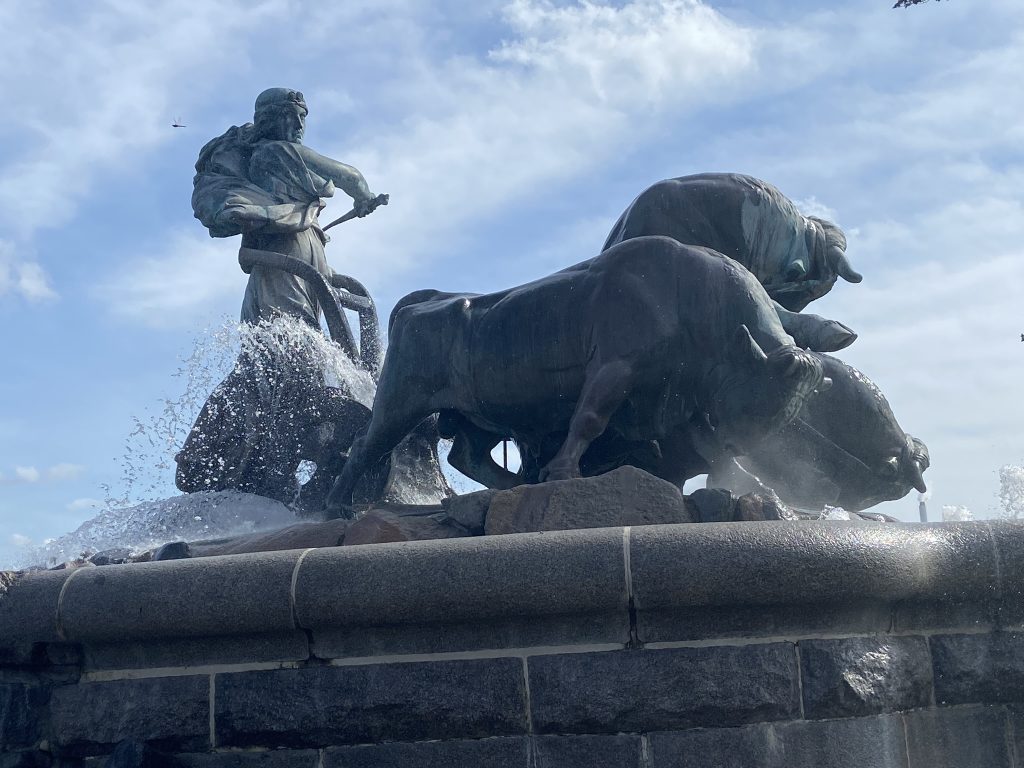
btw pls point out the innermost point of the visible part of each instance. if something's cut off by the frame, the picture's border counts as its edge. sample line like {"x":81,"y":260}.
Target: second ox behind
{"x":652,"y":340}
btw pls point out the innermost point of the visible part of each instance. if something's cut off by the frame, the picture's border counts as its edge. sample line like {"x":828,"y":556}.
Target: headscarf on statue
{"x":245,"y":183}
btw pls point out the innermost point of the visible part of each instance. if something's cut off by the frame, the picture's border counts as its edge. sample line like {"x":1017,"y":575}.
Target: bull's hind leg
{"x":603,"y":392}
{"x":471,"y":455}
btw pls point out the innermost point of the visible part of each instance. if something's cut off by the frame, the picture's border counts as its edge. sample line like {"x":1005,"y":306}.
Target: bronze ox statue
{"x":796,"y":258}
{"x":652,"y":340}
{"x":845,"y":448}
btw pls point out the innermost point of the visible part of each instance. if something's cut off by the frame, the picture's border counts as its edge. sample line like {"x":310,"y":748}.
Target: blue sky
{"x":510,"y":134}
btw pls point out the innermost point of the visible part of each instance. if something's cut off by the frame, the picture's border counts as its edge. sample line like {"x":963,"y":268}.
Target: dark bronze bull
{"x":651,"y":340}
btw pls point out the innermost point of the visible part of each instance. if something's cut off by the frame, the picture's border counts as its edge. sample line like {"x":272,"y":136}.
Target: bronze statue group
{"x":682,"y":348}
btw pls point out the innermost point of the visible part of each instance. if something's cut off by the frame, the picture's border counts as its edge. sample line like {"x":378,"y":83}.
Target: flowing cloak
{"x":744,"y":218}
{"x":263,"y":191}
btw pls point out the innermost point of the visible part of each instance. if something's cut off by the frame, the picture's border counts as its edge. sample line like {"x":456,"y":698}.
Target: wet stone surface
{"x":864,"y":676}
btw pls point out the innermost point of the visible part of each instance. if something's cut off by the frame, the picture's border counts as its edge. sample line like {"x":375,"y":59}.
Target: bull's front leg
{"x":814,"y":332}
{"x":602,"y":394}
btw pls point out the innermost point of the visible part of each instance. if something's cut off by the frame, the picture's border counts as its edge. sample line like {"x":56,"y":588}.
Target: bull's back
{"x":703,"y":209}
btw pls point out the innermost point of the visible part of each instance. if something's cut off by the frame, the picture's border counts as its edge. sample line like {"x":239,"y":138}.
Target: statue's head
{"x":280,"y":115}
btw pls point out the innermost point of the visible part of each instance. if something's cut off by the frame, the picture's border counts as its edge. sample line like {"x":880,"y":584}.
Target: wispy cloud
{"x":32,"y":475}
{"x":101,"y":102}
{"x":554,"y":100}
{"x":181,"y":277}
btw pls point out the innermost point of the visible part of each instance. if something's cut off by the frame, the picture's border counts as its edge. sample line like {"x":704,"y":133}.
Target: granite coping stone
{"x":237,"y":594}
{"x":533,"y":574}
{"x":665,"y":569}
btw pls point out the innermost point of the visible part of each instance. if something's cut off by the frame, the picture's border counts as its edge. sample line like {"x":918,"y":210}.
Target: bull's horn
{"x":745,"y":348}
{"x":836,"y":258}
{"x":916,"y":476}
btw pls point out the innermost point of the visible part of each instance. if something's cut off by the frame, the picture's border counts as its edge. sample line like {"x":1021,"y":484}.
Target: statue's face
{"x":288,"y":125}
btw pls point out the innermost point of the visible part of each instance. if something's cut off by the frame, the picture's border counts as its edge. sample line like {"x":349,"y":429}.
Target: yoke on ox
{"x":651,"y":340}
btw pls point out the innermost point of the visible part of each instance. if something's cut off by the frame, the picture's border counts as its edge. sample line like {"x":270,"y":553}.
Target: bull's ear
{"x":744,"y":350}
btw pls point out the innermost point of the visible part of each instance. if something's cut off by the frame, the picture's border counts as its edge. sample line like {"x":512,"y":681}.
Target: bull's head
{"x":811,"y":275}
{"x":758,"y":393}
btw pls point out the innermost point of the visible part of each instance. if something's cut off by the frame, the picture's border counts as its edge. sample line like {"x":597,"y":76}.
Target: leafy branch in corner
{"x":908,"y":3}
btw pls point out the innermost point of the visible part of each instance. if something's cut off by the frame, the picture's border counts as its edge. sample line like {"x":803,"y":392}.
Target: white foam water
{"x":190,"y":517}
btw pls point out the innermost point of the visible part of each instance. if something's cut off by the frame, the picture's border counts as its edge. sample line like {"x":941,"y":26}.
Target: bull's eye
{"x":892,"y":466}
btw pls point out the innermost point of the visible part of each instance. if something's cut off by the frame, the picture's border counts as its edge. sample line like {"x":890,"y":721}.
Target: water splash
{"x":284,"y":343}
{"x":191,"y":517}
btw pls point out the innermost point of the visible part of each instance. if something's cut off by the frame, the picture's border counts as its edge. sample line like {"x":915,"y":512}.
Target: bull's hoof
{"x":835,"y":336}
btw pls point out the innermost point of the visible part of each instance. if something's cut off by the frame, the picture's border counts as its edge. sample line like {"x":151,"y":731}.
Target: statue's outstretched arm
{"x":345,"y":177}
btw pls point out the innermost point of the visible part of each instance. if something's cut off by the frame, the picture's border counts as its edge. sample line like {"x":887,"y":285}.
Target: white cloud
{"x":112,"y":71}
{"x":22,"y":276}
{"x":812,"y":206}
{"x":185,"y":275}
{"x":27,"y":474}
{"x":557,"y":98}
{"x":55,"y":473}
{"x":32,"y":282}
{"x":17,"y":540}
{"x":64,"y":471}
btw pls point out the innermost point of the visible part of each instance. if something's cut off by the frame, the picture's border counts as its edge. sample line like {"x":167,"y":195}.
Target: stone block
{"x":587,"y":751}
{"x":751,"y":746}
{"x":980,"y":668}
{"x":637,"y":691}
{"x":380,"y":526}
{"x":870,"y":742}
{"x":270,"y":758}
{"x":167,"y":713}
{"x":624,"y":496}
{"x":470,"y":509}
{"x":463,"y":580}
{"x":298,"y":536}
{"x":958,"y":737}
{"x":504,"y":752}
{"x":862,"y":676}
{"x":198,"y":651}
{"x":793,"y":620}
{"x":944,"y":615}
{"x":1008,"y":536}
{"x":490,"y":633}
{"x":713,"y":505}
{"x":828,"y":563}
{"x":186,"y":598}
{"x":28,"y":613}
{"x":865,"y":742}
{"x":362,"y":704}
{"x":22,"y":713}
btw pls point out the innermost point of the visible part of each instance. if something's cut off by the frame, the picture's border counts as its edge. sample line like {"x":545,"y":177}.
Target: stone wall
{"x":735,"y":644}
